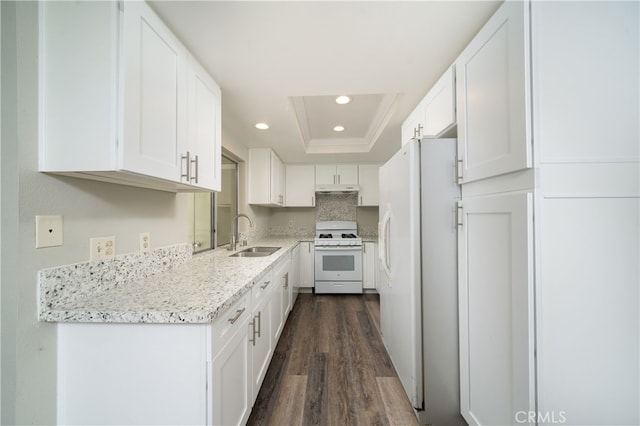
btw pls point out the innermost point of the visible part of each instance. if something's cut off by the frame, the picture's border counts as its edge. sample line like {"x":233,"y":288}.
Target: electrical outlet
{"x":102,"y":247}
{"x":290,"y":224}
{"x":145,"y":242}
{"x":48,"y":231}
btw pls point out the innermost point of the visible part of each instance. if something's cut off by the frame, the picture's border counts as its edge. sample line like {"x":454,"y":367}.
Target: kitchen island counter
{"x":196,"y":289}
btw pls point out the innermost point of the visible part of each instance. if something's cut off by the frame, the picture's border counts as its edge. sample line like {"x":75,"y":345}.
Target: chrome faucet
{"x":234,"y":237}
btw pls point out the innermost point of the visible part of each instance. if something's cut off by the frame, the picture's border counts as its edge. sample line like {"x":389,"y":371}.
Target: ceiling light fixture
{"x":338,"y":129}
{"x":262,"y":126}
{"x":343,"y":100}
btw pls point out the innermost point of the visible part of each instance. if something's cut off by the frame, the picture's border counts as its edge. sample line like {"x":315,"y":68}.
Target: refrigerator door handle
{"x":383,"y":242}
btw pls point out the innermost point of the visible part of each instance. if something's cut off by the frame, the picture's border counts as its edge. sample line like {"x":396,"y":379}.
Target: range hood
{"x":337,"y":188}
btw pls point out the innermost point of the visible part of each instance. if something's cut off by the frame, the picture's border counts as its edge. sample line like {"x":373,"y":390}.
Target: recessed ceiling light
{"x":343,"y":100}
{"x":338,"y":129}
{"x":262,"y":126}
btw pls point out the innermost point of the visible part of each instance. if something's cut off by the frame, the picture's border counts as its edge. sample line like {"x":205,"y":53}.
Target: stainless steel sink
{"x":256,"y":252}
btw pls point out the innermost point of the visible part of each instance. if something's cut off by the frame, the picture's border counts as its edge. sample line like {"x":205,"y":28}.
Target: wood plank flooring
{"x":331,"y":368}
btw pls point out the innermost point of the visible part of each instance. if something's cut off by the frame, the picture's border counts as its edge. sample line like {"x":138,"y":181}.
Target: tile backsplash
{"x":301,"y":221}
{"x":336,"y":206}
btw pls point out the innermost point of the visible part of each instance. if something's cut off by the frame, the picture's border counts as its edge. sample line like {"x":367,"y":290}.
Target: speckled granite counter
{"x":195,"y":290}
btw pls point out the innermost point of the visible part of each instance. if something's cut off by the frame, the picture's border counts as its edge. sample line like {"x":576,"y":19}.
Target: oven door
{"x":338,"y":263}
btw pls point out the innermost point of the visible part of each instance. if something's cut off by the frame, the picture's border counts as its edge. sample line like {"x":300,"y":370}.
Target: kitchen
{"x":90,"y":208}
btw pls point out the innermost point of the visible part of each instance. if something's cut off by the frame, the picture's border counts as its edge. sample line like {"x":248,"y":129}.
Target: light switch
{"x":48,"y":231}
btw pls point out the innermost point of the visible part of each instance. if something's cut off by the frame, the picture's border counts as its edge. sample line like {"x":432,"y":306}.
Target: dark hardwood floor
{"x":331,"y":368}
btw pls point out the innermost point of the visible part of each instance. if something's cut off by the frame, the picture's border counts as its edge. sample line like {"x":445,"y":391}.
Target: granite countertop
{"x":194,"y":290}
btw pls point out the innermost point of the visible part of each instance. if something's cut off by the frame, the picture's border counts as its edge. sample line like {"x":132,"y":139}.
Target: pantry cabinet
{"x":120,"y":100}
{"x":495,"y":290}
{"x":266,"y":178}
{"x":545,"y":244}
{"x":493,"y":97}
{"x":368,"y":182}
{"x":332,"y":174}
{"x":300,"y":185}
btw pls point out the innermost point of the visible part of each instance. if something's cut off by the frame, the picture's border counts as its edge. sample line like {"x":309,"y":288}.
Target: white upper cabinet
{"x":204,"y":128}
{"x":440,"y":106}
{"x":300,"y":185}
{"x":368,"y":182}
{"x":331,"y":174}
{"x":266,"y":178}
{"x":413,"y":125}
{"x":117,"y":93}
{"x":154,"y":95}
{"x":493,"y":97}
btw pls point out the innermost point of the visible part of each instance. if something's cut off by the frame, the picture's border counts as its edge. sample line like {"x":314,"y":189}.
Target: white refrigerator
{"x":418,"y":289}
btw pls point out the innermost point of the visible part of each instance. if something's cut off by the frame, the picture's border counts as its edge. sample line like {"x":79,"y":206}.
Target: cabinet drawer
{"x":261,"y":287}
{"x":225,"y":326}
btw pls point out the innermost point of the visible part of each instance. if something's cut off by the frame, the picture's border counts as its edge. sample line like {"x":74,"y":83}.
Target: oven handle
{"x":339,"y":248}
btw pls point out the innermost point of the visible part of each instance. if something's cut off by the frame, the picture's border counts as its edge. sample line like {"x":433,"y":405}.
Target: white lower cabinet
{"x":168,"y":374}
{"x":135,"y":374}
{"x":496,"y":309}
{"x":260,"y":330}
{"x":369,"y":265}
{"x":294,"y":277}
{"x":231,"y":382}
{"x":281,"y":301}
{"x":307,"y":264}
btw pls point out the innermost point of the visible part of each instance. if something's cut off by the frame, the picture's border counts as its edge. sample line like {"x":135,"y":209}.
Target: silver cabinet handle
{"x":238,"y":314}
{"x":194,"y":178}
{"x":286,"y":280}
{"x":184,"y":173}
{"x":266,"y":284}
{"x":252,"y":339}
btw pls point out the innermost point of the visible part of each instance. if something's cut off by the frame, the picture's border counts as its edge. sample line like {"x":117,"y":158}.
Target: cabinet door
{"x":261,"y":343}
{"x":440,"y":105}
{"x":294,"y":282}
{"x":369,"y":265}
{"x":413,"y":125}
{"x":231,"y":385}
{"x":347,"y":173}
{"x":493,"y":96}
{"x":326,"y":174}
{"x":274,"y":169}
{"x":280,"y":299}
{"x":204,"y":129}
{"x":307,"y":265}
{"x":155,"y":86}
{"x":368,"y":182}
{"x":300,"y":185}
{"x":496,"y":309}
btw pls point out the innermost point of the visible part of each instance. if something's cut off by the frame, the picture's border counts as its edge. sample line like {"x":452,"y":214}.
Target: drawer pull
{"x":266,"y":284}
{"x":238,"y":314}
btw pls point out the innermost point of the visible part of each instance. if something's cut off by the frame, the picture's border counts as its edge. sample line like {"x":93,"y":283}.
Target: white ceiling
{"x":283,"y":63}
